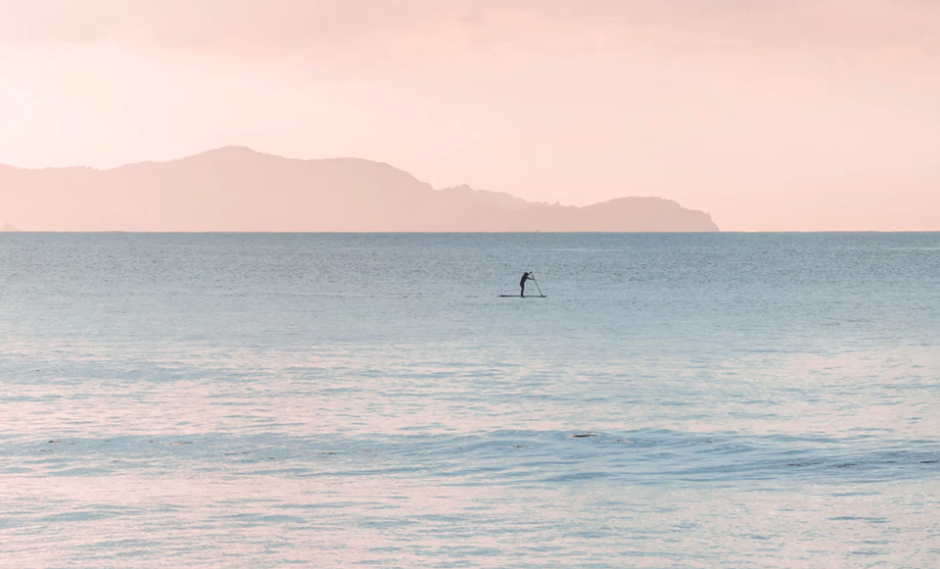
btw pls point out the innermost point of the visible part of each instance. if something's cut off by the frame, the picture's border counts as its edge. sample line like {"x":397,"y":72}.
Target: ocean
{"x":287,"y":400}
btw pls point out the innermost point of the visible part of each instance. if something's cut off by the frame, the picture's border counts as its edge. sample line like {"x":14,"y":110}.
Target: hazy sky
{"x":770,"y":114}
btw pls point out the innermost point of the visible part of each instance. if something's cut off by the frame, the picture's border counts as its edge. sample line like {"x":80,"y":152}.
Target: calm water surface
{"x":253,"y":401}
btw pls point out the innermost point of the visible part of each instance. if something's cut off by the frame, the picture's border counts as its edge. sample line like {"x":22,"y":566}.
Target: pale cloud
{"x":423,"y":28}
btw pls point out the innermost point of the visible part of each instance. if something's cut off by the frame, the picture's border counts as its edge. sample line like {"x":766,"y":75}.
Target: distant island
{"x":238,"y":189}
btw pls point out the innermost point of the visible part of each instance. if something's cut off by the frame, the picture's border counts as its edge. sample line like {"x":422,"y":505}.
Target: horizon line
{"x":697,"y":233}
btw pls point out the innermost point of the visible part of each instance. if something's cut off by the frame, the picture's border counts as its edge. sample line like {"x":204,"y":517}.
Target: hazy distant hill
{"x":237,"y":189}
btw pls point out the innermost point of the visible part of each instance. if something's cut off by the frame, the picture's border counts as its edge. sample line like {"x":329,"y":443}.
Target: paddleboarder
{"x":525,"y":277}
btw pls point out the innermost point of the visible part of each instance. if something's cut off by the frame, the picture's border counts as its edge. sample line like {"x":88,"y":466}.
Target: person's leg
{"x":522,"y":291}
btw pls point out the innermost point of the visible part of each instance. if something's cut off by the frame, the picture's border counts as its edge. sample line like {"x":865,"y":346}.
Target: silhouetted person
{"x":525,"y":277}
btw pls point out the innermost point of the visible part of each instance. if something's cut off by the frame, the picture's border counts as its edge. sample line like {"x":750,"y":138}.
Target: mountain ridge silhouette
{"x":235,"y":188}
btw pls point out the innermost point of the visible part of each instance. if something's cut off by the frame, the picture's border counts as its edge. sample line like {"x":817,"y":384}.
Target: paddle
{"x":536,"y":284}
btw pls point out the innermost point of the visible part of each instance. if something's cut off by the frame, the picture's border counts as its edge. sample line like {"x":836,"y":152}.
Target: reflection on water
{"x":268,"y":400}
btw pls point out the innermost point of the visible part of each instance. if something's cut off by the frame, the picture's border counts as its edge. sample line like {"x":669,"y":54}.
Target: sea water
{"x":254,"y":401}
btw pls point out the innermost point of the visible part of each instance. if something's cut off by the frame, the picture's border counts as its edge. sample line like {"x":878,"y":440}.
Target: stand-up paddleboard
{"x":526,"y":296}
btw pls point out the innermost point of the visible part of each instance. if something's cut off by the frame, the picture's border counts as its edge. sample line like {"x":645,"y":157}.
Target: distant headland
{"x":238,"y":189}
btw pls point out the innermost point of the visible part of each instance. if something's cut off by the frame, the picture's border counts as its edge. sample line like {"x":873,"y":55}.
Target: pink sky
{"x":771,"y":115}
